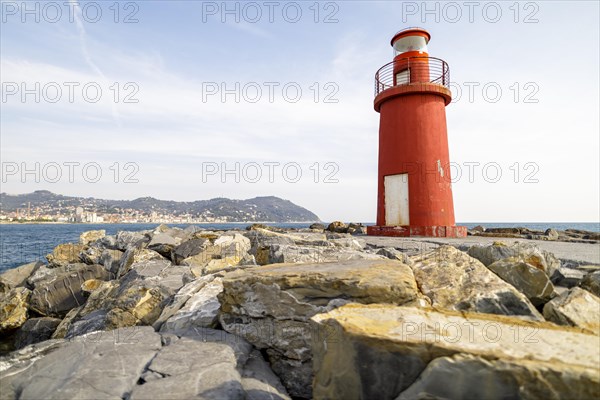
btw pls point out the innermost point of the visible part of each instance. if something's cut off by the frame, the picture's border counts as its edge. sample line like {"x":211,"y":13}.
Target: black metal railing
{"x":410,"y":70}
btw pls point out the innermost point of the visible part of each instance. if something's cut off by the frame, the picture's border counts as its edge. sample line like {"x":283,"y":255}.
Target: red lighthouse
{"x":414,"y":185}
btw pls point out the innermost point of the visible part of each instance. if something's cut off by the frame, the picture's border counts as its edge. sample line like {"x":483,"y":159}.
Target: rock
{"x":13,"y":308}
{"x":126,"y":239}
{"x":270,"y":306}
{"x":455,"y":281}
{"x":211,"y":373}
{"x":55,"y":297}
{"x":187,"y":249}
{"x":388,"y":352}
{"x":200,"y":310}
{"x":349,"y":242}
{"x":17,"y":277}
{"x":108,"y":242}
{"x":91,"y":236}
{"x":102,"y":365}
{"x":90,"y":285}
{"x":136,"y":255}
{"x":591,"y":283}
{"x":568,"y":277}
{"x":317,"y":226}
{"x":91,"y":255}
{"x":314,"y":254}
{"x":163,"y":243}
{"x":181,"y":297}
{"x":111,"y":259}
{"x":36,"y":330}
{"x":551,"y":234}
{"x":337,"y":226}
{"x":259,"y":381}
{"x":394,"y":254}
{"x":529,"y":252}
{"x":478,"y":228}
{"x":64,"y":254}
{"x":577,"y":307}
{"x":356,"y":229}
{"x":527,"y":279}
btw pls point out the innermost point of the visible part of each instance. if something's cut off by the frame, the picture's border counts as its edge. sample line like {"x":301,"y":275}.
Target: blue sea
{"x":24,"y":243}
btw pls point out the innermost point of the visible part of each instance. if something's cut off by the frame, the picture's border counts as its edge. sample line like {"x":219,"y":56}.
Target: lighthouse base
{"x":406,"y":231}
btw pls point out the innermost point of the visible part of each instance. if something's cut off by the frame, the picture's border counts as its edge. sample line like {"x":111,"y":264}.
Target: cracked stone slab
{"x":99,"y":365}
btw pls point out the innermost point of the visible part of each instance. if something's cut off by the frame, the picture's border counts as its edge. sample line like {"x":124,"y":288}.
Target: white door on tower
{"x":396,"y":200}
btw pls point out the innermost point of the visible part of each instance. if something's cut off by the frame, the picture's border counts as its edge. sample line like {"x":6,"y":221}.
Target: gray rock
{"x":211,"y":373}
{"x":187,"y":249}
{"x":163,"y":243}
{"x":101,"y":365}
{"x":455,"y":281}
{"x":111,"y":259}
{"x":394,"y":254}
{"x":529,"y":252}
{"x":200,"y":310}
{"x":591,"y":283}
{"x":577,"y":307}
{"x":568,"y":277}
{"x":317,"y":226}
{"x":127,"y":239}
{"x":36,"y":330}
{"x":527,"y":279}
{"x":259,"y":381}
{"x":57,"y":296}
{"x":17,"y":277}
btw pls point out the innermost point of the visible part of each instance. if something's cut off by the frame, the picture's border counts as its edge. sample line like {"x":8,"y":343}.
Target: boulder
{"x":187,"y":249}
{"x":526,"y":278}
{"x":259,"y":381}
{"x":181,"y":298}
{"x":91,"y":236}
{"x":64,"y":254}
{"x":317,"y":226}
{"x":394,"y":254}
{"x":551,"y":234}
{"x":101,"y":365}
{"x":453,"y":280}
{"x":136,"y":255}
{"x":314,"y":254}
{"x":13,"y":308}
{"x":111,"y":259}
{"x":389,"y":352}
{"x":270,"y":306}
{"x":36,"y":330}
{"x":576,"y":307}
{"x":163,"y":243}
{"x":17,"y":277}
{"x":55,"y":297}
{"x":529,"y":252}
{"x":337,"y":226}
{"x":356,"y":229}
{"x":568,"y":277}
{"x":127,"y":239}
{"x":200,"y":310}
{"x":591,"y":283}
{"x":211,"y":373}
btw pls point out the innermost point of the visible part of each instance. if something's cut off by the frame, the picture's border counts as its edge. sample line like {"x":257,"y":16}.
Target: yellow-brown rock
{"x":13,"y":308}
{"x":389,"y":352}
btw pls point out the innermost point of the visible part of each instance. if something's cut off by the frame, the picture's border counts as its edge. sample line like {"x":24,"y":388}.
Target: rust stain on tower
{"x":414,"y":182}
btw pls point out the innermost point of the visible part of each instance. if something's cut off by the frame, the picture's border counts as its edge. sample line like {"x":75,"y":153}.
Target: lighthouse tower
{"x":414,"y":184}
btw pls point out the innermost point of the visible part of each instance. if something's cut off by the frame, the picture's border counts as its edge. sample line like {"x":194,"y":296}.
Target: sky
{"x":188,"y":100}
